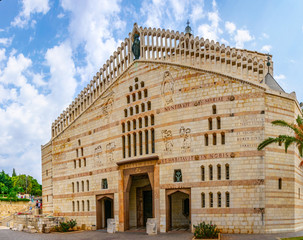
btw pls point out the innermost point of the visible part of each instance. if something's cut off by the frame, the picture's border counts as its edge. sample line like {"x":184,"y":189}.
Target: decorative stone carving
{"x":168,"y":88}
{"x":185,"y":133}
{"x":151,"y":226}
{"x":110,"y":147}
{"x":168,"y":140}
{"x":97,"y":155}
{"x":108,"y":106}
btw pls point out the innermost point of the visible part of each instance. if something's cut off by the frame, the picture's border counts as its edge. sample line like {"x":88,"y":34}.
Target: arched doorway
{"x":178,"y":209}
{"x":104,"y":209}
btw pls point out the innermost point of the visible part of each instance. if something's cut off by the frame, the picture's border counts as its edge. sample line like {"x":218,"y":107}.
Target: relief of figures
{"x":168,"y":140}
{"x":168,"y":88}
{"x":110,"y":147}
{"x":185,"y":134}
{"x":107,"y":105}
{"x":97,"y":155}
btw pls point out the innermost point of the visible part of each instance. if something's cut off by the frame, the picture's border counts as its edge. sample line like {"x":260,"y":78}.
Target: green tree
{"x":14,"y":173}
{"x":287,"y":140}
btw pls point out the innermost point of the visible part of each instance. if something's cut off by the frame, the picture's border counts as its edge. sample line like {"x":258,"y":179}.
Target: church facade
{"x":168,"y":129}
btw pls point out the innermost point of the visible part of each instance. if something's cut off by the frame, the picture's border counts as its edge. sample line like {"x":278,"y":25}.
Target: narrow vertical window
{"x":135,"y":144}
{"x":140,"y":143}
{"x":146,"y":142}
{"x":82,"y":186}
{"x":203,"y":200}
{"x":104,"y":184}
{"x":134,"y":124}
{"x":152,"y":120}
{"x":75,"y":163}
{"x":73,"y":187}
{"x":125,"y":112}
{"x":280,"y":183}
{"x":142,"y":107}
{"x":222,"y":138}
{"x":78,"y":206}
{"x":79,"y":142}
{"x":123,"y":127}
{"x":87,"y":185}
{"x":202,"y":173}
{"x":82,"y":206}
{"x":210,"y":167}
{"x":206,"y":139}
{"x":219,"y":172}
{"x":227,"y":171}
{"x":227,"y":199}
{"x":142,"y":84}
{"x":210,"y":124}
{"x":214,"y":109}
{"x":218,"y":123}
{"x":139,"y":95}
{"x":214,"y":139}
{"x":88,"y":207}
{"x":84,"y":162}
{"x":137,"y":109}
{"x":77,"y":153}
{"x":148,"y":105}
{"x":131,"y":111}
{"x":140,"y":122}
{"x":219,"y":199}
{"x":77,"y":186}
{"x":82,"y":152}
{"x":128,"y":126}
{"x":129,"y":145}
{"x":146,"y":121}
{"x":145,"y":93}
{"x":79,"y":163}
{"x":73,"y":206}
{"x":134,"y":97}
{"x":152,"y":140}
{"x":128,"y":99}
{"x":130,"y":88}
{"x":211,"y":199}
{"x":136,"y":86}
{"x":123,"y":146}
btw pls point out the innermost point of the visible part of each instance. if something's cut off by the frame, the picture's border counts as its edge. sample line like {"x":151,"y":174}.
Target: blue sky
{"x":50,"y":50}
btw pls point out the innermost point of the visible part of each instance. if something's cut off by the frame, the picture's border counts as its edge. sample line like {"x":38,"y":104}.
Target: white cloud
{"x":230,"y":27}
{"x":60,"y":15}
{"x":279,"y":77}
{"x":241,"y":37}
{"x":266,"y":48}
{"x":6,"y":41}
{"x":30,"y":7}
{"x":197,"y":12}
{"x":265,"y":35}
{"x":2,"y":54}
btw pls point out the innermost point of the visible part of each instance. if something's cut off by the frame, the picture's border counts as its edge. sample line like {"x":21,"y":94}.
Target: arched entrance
{"x":104,"y":209}
{"x":178,"y":209}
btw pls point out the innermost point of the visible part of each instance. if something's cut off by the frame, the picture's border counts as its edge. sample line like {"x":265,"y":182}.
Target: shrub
{"x":208,"y":231}
{"x":72,"y":223}
{"x":64,"y":227}
{"x":14,"y":200}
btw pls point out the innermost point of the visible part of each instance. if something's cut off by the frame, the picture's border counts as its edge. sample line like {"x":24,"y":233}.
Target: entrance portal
{"x":178,"y":209}
{"x":104,"y":209}
{"x":140,"y":201}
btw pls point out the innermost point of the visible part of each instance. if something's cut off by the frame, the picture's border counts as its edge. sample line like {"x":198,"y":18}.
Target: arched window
{"x":210,"y":167}
{"x":82,"y":186}
{"x":227,"y":199}
{"x":146,"y":121}
{"x":125,"y":112}
{"x":78,"y":187}
{"x":140,"y":122}
{"x":123,"y":127}
{"x":152,"y":120}
{"x":128,"y":126}
{"x":206,"y":139}
{"x":227,"y":171}
{"x":142,"y":84}
{"x":146,"y":142}
{"x":82,"y":152}
{"x":123,"y":146}
{"x":75,"y":164}
{"x":136,"y":86}
{"x":137,"y":109}
{"x":214,"y":139}
{"x":139,"y":95}
{"x":203,"y":200}
{"x":202,"y":173}
{"x":131,"y":111}
{"x":79,"y":163}
{"x":152,"y":140}
{"x":134,"y":124}
{"x":79,"y":142}
{"x":142,"y":107}
{"x":78,"y":206}
{"x":211,"y":199}
{"x":129,"y":145}
{"x":145,"y":93}
{"x":73,"y":206}
{"x":210,"y":124}
{"x":218,"y":123}
{"x":84,"y":162}
{"x":134,"y":97}
{"x":280,"y":183}
{"x":136,"y":79}
{"x":128,"y":99}
{"x":222,"y":138}
{"x":83,"y":206}
{"x":77,"y":153}
{"x":73,"y":187}
{"x":148,"y":105}
{"x":140,"y":143}
{"x":219,"y":199}
{"x":130,"y":88}
{"x":87,"y":185}
{"x":219,"y":172}
{"x":135,"y":143}
{"x":214,"y":109}
{"x":88,"y":207}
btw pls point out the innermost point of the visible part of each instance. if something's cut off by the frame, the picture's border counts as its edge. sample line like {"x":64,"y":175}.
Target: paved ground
{"x":6,"y":234}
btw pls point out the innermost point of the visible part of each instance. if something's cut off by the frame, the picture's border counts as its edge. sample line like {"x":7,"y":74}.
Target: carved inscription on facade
{"x":168,"y":141}
{"x":168,"y":88}
{"x":186,"y":139}
{"x":110,"y":147}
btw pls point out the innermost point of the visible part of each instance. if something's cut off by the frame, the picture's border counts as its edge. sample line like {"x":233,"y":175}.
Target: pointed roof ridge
{"x":272,"y":83}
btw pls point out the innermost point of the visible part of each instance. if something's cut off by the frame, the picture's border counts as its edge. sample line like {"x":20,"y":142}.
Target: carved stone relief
{"x":110,"y":147}
{"x":186,"y":143}
{"x":97,"y":155}
{"x":107,"y":105}
{"x":168,"y":88}
{"x":168,"y":141}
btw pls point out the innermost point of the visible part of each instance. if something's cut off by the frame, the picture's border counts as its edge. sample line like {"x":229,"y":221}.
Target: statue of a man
{"x":136,"y":46}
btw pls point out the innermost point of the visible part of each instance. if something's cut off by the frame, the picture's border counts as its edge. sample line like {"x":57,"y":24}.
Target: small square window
{"x":104,"y":184}
{"x":178,"y":175}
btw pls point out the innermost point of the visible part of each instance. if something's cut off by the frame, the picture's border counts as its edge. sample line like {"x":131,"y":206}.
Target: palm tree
{"x":297,"y":139}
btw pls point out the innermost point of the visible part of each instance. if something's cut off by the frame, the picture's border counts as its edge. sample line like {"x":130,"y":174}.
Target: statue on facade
{"x":136,"y":46}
